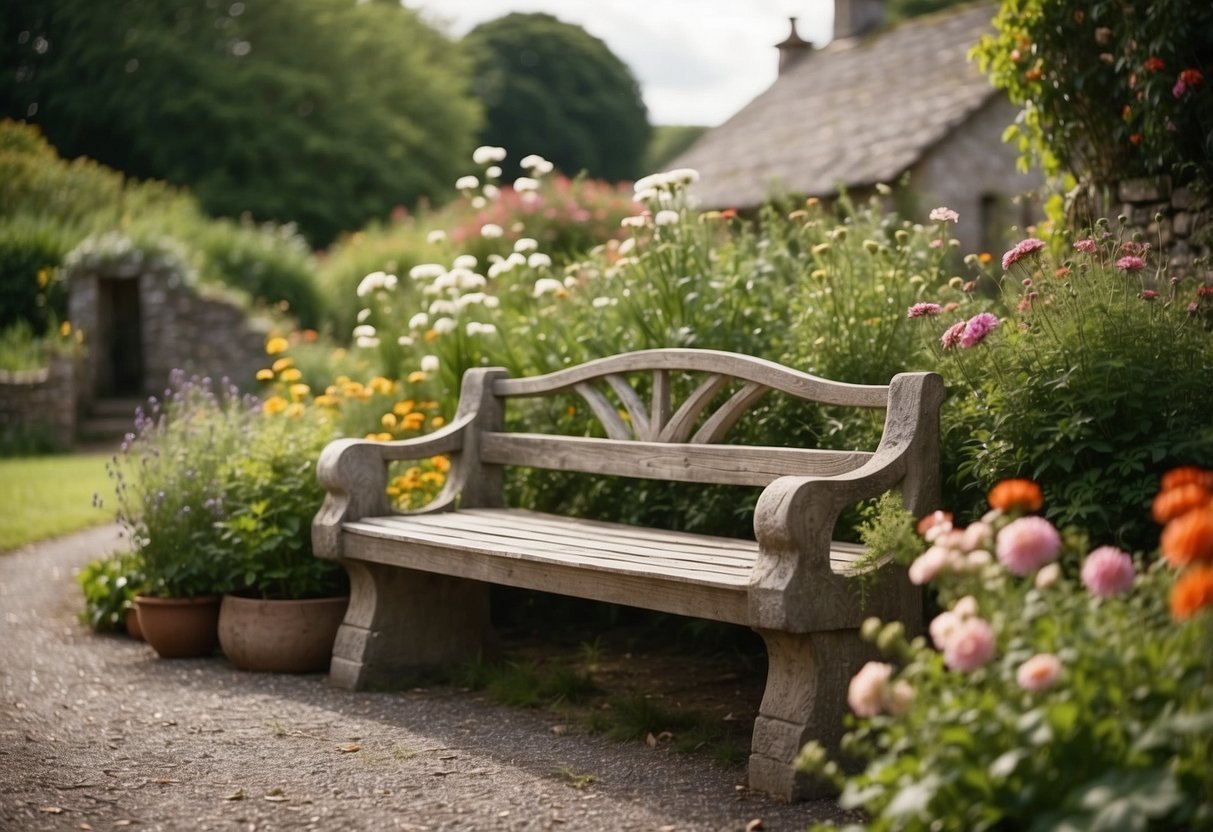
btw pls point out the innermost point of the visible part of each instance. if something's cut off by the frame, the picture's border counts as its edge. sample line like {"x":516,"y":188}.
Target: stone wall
{"x":42,"y":400}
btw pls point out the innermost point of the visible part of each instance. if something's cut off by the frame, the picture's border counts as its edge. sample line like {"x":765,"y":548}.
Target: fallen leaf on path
{"x":349,"y":748}
{"x":754,"y":825}
{"x":236,"y":795}
{"x":50,"y":810}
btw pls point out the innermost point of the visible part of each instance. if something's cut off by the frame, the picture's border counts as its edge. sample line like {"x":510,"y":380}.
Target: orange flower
{"x":1188,"y":538}
{"x":1009,"y":495}
{"x":1192,"y":592}
{"x":1174,"y":502}
{"x":1187,"y":474}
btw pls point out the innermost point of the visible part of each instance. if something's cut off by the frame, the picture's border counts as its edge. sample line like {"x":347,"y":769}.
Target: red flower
{"x":1020,"y":494}
{"x":1135,"y":138}
{"x":1155,"y":64}
{"x":1192,"y":592}
{"x":1191,"y":77}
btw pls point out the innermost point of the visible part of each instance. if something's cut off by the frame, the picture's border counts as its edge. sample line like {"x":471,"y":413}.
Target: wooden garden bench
{"x":419,"y":581}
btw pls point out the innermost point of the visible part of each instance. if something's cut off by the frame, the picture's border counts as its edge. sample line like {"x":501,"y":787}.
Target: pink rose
{"x":1027,"y":544}
{"x":942,"y":628}
{"x":901,"y":697}
{"x":929,"y":564}
{"x":970,"y":647}
{"x":1108,"y":571}
{"x":867,"y":691}
{"x":1039,"y":673}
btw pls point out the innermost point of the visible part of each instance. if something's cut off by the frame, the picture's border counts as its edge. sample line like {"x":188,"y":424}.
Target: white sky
{"x":697,"y":61}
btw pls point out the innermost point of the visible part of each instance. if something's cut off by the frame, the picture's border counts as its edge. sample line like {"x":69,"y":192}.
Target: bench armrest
{"x":793,"y":586}
{"x":354,"y":473}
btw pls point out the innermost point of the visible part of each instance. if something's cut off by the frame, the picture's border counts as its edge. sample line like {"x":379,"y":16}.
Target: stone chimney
{"x":793,"y":49}
{"x":855,"y":18}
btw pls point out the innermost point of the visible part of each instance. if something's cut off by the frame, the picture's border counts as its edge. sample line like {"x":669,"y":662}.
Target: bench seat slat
{"x":723,"y":464}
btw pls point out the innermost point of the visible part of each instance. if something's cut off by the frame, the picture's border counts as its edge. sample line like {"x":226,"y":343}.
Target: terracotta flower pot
{"x":290,"y":636}
{"x":179,"y":628}
{"x":130,"y":620}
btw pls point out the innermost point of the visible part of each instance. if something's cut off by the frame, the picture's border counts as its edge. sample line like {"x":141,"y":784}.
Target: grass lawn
{"x":48,"y":496}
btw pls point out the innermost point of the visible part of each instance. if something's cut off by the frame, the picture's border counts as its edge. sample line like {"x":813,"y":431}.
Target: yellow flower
{"x":291,"y":374}
{"x":393,"y":490}
{"x":570,"y":411}
{"x":388,"y":420}
{"x":414,"y":421}
{"x":441,"y":463}
{"x":382,"y":385}
{"x":428,"y":405}
{"x":433,"y":478}
{"x":417,"y":377}
{"x":65,"y":329}
{"x":437,"y":422}
{"x":403,"y":408}
{"x":274,"y":404}
{"x":298,"y":391}
{"x":295,"y":410}
{"x":325,"y":400}
{"x":275,"y":345}
{"x":265,"y":374}
{"x":282,"y":363}
{"x":431,"y":335}
{"x":379,"y":437}
{"x":44,"y":277}
{"x":985,"y":257}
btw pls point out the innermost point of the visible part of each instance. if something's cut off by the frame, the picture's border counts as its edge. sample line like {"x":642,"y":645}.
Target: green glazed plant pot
{"x":280,"y":636}
{"x":179,"y":628}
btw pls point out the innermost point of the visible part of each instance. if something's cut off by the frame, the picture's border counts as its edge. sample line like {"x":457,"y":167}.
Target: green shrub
{"x":110,"y":585}
{"x":31,"y":251}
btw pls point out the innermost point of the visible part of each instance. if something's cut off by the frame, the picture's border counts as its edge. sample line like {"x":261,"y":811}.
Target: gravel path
{"x":97,"y":733}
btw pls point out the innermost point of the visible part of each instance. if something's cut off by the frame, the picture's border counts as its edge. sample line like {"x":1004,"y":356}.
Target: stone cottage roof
{"x":858,"y":112}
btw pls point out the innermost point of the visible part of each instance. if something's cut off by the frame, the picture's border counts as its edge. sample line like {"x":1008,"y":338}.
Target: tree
{"x":553,"y":89}
{"x":327,"y":113}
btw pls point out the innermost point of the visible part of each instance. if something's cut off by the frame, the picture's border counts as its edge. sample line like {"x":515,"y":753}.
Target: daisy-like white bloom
{"x":547,"y":285}
{"x":419,"y":321}
{"x":435,"y":236}
{"x":490,"y":229}
{"x":427,"y":271}
{"x":373,"y":281}
{"x":526,"y":184}
{"x":638,"y":221}
{"x":467,"y":183}
{"x":429,"y":363}
{"x":942,"y":214}
{"x":485,"y":154}
{"x":364,"y":331}
{"x":465,"y":261}
{"x":539,"y":260}
{"x":492,"y":172}
{"x":525,"y":244}
{"x":444,"y":325}
{"x":475,"y":328}
{"x":536,"y":164}
{"x":666,"y":217}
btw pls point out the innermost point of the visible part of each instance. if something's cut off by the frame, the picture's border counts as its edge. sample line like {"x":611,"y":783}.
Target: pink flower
{"x":929,"y":564}
{"x":1085,"y":246}
{"x":1021,"y":250}
{"x":952,"y":336}
{"x":900,"y":698}
{"x":944,"y":214}
{"x":1027,"y":544}
{"x":868,"y":689}
{"x":1130,"y":263}
{"x":936,"y":244}
{"x":1047,"y":576}
{"x":970,"y":647}
{"x":1148,"y":294}
{"x":1039,"y":673}
{"x":977,"y":328}
{"x":942,"y":628}
{"x":1108,"y":571}
{"x":919,"y":310}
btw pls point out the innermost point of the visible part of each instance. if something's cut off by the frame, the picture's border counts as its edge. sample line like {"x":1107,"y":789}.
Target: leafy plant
{"x":1061,"y":687}
{"x":110,"y":585}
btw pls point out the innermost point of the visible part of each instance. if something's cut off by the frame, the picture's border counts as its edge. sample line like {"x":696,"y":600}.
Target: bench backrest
{"x":664,"y":439}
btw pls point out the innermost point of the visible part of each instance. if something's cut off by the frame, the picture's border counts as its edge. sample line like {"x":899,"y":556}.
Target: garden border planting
{"x":419,"y":581}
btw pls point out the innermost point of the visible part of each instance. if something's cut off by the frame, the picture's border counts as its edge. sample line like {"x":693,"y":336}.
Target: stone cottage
{"x":878,"y":104}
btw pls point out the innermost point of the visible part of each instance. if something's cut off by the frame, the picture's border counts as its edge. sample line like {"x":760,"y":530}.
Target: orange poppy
{"x":1010,"y":495}
{"x":1178,"y":501}
{"x":1192,"y":592}
{"x":1188,"y":538}
{"x":1185,"y":475}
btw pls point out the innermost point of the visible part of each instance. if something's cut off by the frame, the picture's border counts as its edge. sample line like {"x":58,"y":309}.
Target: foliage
{"x":168,"y":484}
{"x":1054,"y":698}
{"x":47,"y":496}
{"x":110,"y":585}
{"x":30,"y":289}
{"x":270,"y":496}
{"x":1093,"y":383}
{"x":1109,"y":88}
{"x":668,"y":142}
{"x":552,"y":88}
{"x":363,"y":97}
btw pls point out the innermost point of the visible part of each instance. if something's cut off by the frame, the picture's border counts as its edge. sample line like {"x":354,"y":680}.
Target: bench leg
{"x":805,"y":699}
{"x":401,"y":621}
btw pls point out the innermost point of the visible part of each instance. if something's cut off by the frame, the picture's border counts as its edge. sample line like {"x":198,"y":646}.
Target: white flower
{"x":539,"y":260}
{"x":536,"y":164}
{"x":682,"y":176}
{"x":638,"y":221}
{"x":644,"y":196}
{"x":471,"y":280}
{"x":370,"y":283}
{"x":666,"y":217}
{"x":363,"y":314}
{"x":435,"y":236}
{"x":390,"y":282}
{"x":429,"y":363}
{"x":476,"y":328}
{"x":470,"y":299}
{"x":467,"y":183}
{"x":525,"y":183}
{"x":490,"y":230}
{"x":443,"y":307}
{"x":516,"y":258}
{"x":492,"y":172}
{"x":570,"y":282}
{"x":405,"y":341}
{"x":427,"y":271}
{"x":544,"y":285}
{"x":444,"y":325}
{"x":603,"y":302}
{"x":419,"y":321}
{"x":487,"y":153}
{"x":479,"y":202}
{"x":500,"y":267}
{"x":491,"y":301}
{"x":364,"y":331}
{"x":652,"y":182}
{"x":627,"y":245}
{"x":525,"y":244}
{"x":367,"y":342}
{"x":491,"y":191}
{"x":446,"y":280}
{"x":465,"y":261}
